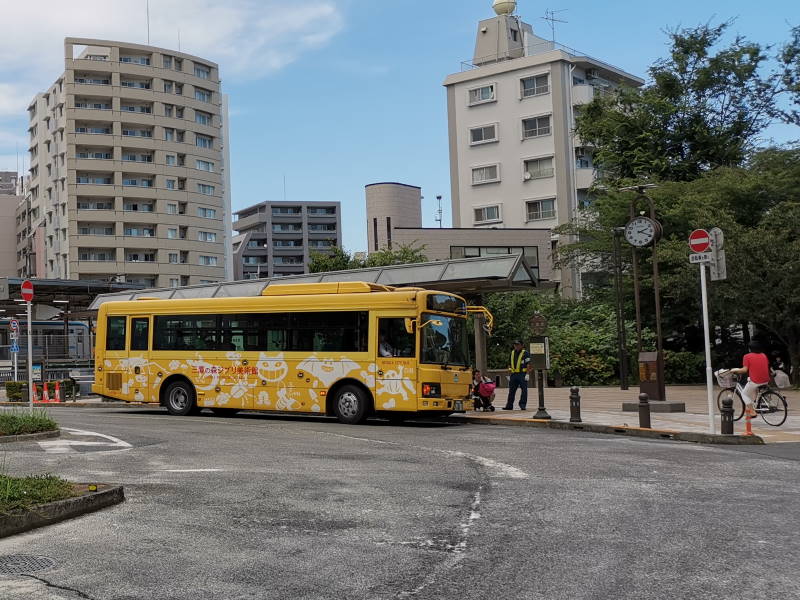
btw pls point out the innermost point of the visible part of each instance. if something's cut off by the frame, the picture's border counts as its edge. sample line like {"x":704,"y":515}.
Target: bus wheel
{"x":179,"y":398}
{"x":224,"y":412}
{"x":351,"y":405}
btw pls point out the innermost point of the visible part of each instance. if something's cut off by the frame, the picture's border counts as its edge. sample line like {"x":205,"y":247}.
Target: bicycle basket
{"x":726,"y":379}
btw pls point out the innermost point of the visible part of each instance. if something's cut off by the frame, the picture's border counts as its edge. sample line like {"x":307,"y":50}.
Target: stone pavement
{"x":603,"y":406}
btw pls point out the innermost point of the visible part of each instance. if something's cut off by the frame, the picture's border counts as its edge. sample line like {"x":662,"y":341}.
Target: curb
{"x":72,"y":404}
{"x":24,"y":437}
{"x":55,"y":512}
{"x":659,"y":434}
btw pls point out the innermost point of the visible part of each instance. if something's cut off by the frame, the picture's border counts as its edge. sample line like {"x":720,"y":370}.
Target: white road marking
{"x":189,"y":470}
{"x":64,"y":446}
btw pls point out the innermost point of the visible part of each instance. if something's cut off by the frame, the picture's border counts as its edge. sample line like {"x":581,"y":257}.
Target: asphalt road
{"x":271,"y":507}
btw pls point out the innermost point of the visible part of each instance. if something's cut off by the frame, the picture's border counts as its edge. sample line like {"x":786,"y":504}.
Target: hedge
{"x":15,"y":389}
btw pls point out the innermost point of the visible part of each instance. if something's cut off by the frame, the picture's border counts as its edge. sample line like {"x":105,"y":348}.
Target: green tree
{"x":403,"y":255}
{"x":341,"y":260}
{"x":705,"y":107}
{"x":337,"y":259}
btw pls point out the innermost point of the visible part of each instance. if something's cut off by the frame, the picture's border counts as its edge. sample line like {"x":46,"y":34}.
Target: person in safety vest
{"x":519,"y":367}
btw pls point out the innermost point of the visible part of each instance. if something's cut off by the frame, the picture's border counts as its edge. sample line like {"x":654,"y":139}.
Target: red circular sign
{"x":27,"y":290}
{"x":699,"y":240}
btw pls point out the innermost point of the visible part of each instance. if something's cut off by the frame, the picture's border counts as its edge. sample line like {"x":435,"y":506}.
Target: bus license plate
{"x":458,"y":406}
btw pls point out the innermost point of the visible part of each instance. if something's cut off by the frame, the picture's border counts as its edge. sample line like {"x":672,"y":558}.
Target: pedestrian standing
{"x":518,"y":368}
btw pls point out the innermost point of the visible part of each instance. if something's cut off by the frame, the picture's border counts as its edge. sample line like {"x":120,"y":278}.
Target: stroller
{"x":483,"y":394}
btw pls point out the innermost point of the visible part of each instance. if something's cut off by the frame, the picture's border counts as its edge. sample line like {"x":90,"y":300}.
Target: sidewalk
{"x":603,"y":406}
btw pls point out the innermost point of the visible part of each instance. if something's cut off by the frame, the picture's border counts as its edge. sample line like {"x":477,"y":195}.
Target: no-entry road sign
{"x":699,"y":240}
{"x":14,"y":325}
{"x":27,"y":290}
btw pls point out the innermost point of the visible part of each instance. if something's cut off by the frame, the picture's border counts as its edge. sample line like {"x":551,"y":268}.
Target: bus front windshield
{"x":444,"y":340}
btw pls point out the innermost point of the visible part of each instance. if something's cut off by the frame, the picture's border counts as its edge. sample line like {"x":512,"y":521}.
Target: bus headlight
{"x":431,"y":390}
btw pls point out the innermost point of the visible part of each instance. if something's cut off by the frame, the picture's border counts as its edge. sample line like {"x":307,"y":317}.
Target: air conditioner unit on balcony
{"x":592,"y":73}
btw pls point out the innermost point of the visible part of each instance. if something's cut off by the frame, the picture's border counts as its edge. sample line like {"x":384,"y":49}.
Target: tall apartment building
{"x":278,"y":238}
{"x":514,"y":159}
{"x":10,"y":200}
{"x":128,"y":169}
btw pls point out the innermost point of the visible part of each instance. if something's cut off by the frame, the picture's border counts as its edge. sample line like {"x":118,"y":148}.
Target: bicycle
{"x":769,"y":404}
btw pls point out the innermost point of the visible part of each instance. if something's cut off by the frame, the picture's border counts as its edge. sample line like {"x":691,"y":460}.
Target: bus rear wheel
{"x":179,"y":398}
{"x":351,"y":405}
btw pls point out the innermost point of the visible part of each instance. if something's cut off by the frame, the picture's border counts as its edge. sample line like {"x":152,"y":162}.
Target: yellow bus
{"x":349,"y":349}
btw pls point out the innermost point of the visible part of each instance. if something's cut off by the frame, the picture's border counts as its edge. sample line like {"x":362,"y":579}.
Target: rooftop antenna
{"x":179,"y":39}
{"x":438,"y":217}
{"x":550,"y":16}
{"x":148,"y":21}
{"x":284,"y":187}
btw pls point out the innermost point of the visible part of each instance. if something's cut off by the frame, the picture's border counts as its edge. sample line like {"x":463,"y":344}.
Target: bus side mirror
{"x":410,"y":323}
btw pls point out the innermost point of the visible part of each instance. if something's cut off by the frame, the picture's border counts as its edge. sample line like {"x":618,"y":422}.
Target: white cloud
{"x":248,"y":39}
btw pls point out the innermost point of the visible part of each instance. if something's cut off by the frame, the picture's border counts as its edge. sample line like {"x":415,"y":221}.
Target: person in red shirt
{"x":755,"y":365}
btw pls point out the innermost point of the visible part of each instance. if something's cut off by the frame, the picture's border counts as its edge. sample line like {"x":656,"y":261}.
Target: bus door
{"x":138,"y":371}
{"x":113,"y":368}
{"x":395,"y":376}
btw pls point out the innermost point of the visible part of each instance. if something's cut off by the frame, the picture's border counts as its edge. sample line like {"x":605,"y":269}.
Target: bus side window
{"x":140,"y":329}
{"x":394,"y":340}
{"x":115,"y":333}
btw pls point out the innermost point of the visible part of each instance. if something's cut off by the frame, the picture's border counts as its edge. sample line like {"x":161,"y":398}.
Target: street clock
{"x":642,"y":231}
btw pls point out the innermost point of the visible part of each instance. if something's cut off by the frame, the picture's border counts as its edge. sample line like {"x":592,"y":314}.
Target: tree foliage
{"x":705,"y":107}
{"x":341,"y":260}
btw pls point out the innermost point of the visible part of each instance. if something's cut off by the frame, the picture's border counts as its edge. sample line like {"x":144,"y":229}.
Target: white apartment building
{"x":514,"y":159}
{"x":129,"y":176}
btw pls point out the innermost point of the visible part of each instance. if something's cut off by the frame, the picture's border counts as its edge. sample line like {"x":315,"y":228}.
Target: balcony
{"x":582,"y":94}
{"x":584,"y":178}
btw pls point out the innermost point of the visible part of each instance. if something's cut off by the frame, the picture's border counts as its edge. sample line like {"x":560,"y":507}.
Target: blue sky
{"x":352,"y":95}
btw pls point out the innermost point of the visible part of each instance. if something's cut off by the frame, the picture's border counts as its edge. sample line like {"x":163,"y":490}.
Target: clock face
{"x":640,"y":232}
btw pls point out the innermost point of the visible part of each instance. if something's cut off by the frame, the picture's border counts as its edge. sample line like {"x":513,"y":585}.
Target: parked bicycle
{"x":769,"y":403}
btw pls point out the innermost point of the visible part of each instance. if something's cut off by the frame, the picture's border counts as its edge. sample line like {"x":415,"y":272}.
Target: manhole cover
{"x":24,"y":563}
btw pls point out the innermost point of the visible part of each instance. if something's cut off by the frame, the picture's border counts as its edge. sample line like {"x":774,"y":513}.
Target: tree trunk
{"x":746,"y":334}
{"x":794,"y":358}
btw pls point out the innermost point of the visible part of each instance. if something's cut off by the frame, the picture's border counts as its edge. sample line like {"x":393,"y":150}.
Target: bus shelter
{"x":467,"y":277}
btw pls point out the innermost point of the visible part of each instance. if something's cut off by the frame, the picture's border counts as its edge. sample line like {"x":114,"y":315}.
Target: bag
{"x":486,"y":389}
{"x":782,"y":379}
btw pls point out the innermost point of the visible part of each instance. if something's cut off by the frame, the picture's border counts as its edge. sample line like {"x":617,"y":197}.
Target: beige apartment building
{"x":514,"y":159}
{"x":129,"y":174}
{"x":277,"y":239}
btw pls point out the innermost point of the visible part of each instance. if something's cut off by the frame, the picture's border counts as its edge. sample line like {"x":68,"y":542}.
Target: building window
{"x":172,"y":233}
{"x":204,"y":165}
{"x":141,"y":257}
{"x":483,"y":135}
{"x":583,"y":160}
{"x":138,"y":182}
{"x":138,"y":207}
{"x":167,"y":62}
{"x":486,"y":174}
{"x":172,"y":208}
{"x":139,"y":60}
{"x":536,"y":127}
{"x":537,"y":168}
{"x":207,"y":213}
{"x":487,"y":214}
{"x":541,"y":209}
{"x":133,"y":83}
{"x":202,"y":71}
{"x":208,"y":261}
{"x":203,"y":141}
{"x":482,"y":94}
{"x":208,"y":190}
{"x":535,"y":85}
{"x":206,"y":236}
{"x":170,"y":160}
{"x":171,"y":184}
{"x":202,"y":95}
{"x":202,"y":118}
{"x":140,"y":231}
{"x":174,"y":281}
{"x":173,"y":258}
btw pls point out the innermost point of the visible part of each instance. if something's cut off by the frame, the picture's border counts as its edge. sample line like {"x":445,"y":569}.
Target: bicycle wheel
{"x":738,"y":407}
{"x":772,"y":407}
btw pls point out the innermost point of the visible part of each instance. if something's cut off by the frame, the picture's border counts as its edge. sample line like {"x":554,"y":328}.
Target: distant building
{"x":278,"y":238}
{"x":9,"y":183}
{"x":10,"y":199}
{"x":394,"y":218}
{"x":514,"y":159}
{"x":128,"y":169}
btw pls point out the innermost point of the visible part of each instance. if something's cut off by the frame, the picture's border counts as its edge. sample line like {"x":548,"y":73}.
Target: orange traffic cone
{"x":35,"y":393}
{"x":45,"y":393}
{"x":748,"y":426}
{"x":58,"y":392}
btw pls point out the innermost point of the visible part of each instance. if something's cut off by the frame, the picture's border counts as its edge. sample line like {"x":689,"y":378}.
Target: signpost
{"x":14,"y":337}
{"x":27,"y":294}
{"x":706,"y":247}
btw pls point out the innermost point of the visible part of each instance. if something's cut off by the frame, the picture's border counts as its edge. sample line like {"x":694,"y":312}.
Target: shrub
{"x":17,"y":422}
{"x":15,"y":390}
{"x":684,"y":367}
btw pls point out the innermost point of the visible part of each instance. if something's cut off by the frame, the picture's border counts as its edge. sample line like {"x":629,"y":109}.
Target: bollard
{"x":574,"y":405}
{"x":726,"y":416}
{"x":644,"y":412}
